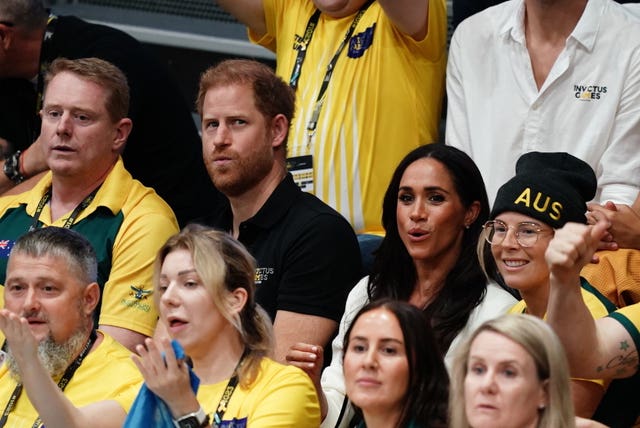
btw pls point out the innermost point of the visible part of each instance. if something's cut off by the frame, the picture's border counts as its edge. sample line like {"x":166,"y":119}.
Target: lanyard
{"x":226,"y":395}
{"x":302,"y":49}
{"x":302,"y":52}
{"x":62,"y":384}
{"x":74,"y":214}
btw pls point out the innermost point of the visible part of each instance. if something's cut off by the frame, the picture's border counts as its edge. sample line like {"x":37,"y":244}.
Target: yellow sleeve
{"x":599,"y":307}
{"x":629,"y":317}
{"x":287,"y":400}
{"x":127,"y":300}
{"x":518,"y":308}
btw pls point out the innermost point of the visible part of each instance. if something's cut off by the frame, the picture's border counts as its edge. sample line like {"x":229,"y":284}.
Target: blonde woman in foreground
{"x":512,"y":373}
{"x":204,"y":290}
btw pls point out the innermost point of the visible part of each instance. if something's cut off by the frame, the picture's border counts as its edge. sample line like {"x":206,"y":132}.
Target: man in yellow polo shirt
{"x":84,"y":130}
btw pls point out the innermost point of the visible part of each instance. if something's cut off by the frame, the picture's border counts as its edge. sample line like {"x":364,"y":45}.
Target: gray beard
{"x":55,"y":357}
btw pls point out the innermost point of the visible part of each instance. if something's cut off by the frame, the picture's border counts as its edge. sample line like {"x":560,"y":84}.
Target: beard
{"x":55,"y":357}
{"x":246,"y":172}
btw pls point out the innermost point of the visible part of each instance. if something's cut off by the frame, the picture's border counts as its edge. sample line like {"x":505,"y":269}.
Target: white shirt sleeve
{"x":333,"y":376}
{"x":619,"y":168}
{"x":497,"y":301}
{"x":457,"y":126}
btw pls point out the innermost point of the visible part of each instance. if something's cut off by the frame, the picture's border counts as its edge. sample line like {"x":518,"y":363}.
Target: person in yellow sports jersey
{"x":58,"y":370}
{"x":205,"y":293}
{"x":547,"y":191}
{"x":369,"y":80}
{"x":607,"y":347}
{"x":87,"y":188}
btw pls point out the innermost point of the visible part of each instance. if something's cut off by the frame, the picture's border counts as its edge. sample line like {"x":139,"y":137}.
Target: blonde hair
{"x":102,"y":73}
{"x":537,"y":338}
{"x":223,"y":265}
{"x":482,"y":248}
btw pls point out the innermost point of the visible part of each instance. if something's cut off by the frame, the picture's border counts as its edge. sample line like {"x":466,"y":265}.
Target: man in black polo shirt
{"x":307,"y":254}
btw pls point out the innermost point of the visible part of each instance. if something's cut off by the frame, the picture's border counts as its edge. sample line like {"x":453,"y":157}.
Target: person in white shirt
{"x":549,"y":76}
{"x":433,"y":211}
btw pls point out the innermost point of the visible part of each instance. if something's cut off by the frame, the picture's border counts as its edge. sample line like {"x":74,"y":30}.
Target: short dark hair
{"x":61,"y":243}
{"x":427,"y":394}
{"x":28,"y":14}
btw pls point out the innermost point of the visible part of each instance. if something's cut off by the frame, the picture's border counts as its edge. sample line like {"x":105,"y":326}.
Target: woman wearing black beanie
{"x":548,"y":191}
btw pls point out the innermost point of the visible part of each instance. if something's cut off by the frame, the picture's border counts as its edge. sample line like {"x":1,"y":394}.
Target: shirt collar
{"x":112,"y":194}
{"x":585,"y":32}
{"x":513,"y":21}
{"x":587,"y":28}
{"x":277,"y":205}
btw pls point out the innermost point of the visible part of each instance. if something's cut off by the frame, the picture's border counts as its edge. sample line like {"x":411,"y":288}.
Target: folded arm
{"x":32,"y":166}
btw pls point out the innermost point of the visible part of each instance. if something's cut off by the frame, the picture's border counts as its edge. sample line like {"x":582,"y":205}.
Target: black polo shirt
{"x":307,"y":254}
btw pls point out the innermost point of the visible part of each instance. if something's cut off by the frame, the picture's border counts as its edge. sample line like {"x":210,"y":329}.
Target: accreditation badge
{"x":301,"y":168}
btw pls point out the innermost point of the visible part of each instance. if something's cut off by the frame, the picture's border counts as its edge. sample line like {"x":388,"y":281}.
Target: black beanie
{"x":551,"y":187}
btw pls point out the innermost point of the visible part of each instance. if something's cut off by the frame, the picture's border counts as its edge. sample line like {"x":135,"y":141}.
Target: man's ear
{"x":6,"y":36}
{"x":279,"y":130}
{"x":123,"y":129}
{"x":90,"y":298}
{"x":236,"y":300}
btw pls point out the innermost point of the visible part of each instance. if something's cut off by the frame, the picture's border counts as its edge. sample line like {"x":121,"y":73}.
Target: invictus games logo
{"x":589,"y":92}
{"x":263,"y":274}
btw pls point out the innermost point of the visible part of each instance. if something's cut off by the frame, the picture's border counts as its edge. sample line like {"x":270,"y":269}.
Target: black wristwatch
{"x":12,"y":167}
{"x":197,"y":419}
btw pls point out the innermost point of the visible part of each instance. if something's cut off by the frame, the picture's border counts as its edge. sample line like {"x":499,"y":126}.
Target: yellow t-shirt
{"x":384,"y":99}
{"x":281,"y":396}
{"x":598,"y":305}
{"x":107,"y":373}
{"x":629,"y":317}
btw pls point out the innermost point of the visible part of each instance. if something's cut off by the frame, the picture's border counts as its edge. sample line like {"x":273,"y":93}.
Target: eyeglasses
{"x":526,"y":232}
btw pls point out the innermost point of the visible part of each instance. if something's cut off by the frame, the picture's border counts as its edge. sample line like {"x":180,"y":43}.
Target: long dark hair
{"x":427,"y":394}
{"x":394,"y":273}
